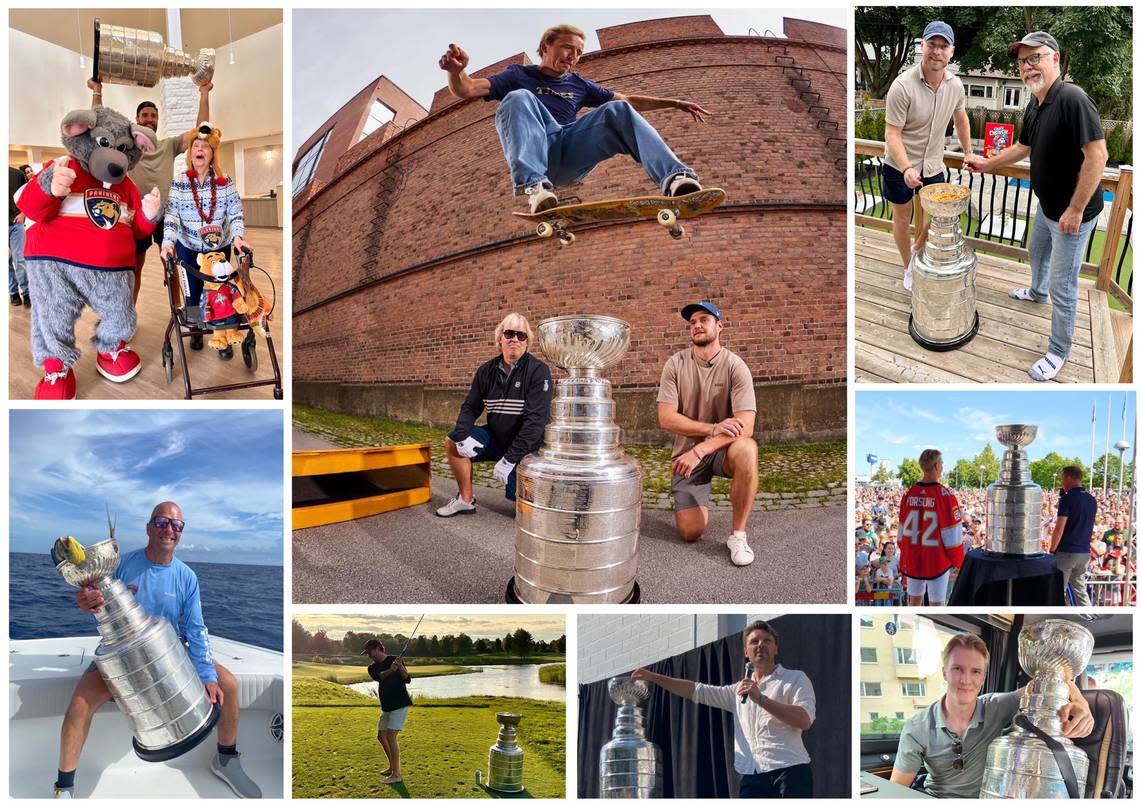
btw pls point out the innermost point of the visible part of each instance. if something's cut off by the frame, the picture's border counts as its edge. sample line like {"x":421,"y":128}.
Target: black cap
{"x":1035,"y":40}
{"x":370,"y":645}
{"x":143,"y":105}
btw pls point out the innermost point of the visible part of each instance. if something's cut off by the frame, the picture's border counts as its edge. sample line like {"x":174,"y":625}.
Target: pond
{"x":520,"y":681}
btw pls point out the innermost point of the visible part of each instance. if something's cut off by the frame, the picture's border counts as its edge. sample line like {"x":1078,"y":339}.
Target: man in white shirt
{"x":771,"y":710}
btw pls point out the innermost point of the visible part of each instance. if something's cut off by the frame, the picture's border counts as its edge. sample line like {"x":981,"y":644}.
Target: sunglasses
{"x":162,"y":522}
{"x":519,"y":335}
{"x":959,"y":764}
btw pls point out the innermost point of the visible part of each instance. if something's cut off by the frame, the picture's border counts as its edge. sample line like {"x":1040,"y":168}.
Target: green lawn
{"x":335,"y":752}
{"x":783,"y":469}
{"x":552,"y":674}
{"x":352,"y":674}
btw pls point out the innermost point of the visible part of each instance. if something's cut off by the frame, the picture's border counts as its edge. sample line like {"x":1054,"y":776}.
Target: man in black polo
{"x":1072,"y":535}
{"x":1062,"y":131}
{"x":395,"y":703}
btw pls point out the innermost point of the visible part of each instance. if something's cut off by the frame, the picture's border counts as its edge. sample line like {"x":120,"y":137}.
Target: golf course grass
{"x":552,"y":675}
{"x":335,"y":752}
{"x":352,"y":674}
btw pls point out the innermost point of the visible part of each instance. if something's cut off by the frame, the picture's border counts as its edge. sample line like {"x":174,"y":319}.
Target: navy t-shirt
{"x":563,"y":96}
{"x":1080,"y":508}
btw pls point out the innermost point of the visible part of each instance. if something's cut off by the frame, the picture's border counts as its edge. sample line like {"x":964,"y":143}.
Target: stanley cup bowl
{"x":627,"y":690}
{"x":583,"y":342}
{"x":508,"y":719}
{"x":1016,"y":436}
{"x":945,"y":199}
{"x":1054,"y":647}
{"x":101,"y":562}
{"x":134,"y":56}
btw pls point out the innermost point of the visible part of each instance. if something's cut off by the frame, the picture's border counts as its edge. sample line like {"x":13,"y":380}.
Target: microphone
{"x":747,"y":675}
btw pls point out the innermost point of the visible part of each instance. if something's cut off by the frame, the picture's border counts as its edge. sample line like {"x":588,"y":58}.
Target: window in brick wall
{"x":307,"y":165}
{"x":378,"y":115}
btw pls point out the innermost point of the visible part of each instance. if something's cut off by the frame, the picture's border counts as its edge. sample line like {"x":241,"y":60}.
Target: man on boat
{"x":546,"y":144}
{"x":167,"y":588}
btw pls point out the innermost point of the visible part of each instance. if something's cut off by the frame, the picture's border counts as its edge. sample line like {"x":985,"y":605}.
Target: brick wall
{"x":646,"y":31}
{"x":405,"y":263}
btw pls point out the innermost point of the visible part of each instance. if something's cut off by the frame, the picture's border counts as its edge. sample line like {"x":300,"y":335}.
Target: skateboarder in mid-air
{"x":545,"y":145}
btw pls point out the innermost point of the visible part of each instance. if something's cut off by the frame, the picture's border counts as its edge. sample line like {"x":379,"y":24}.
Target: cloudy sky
{"x":542,"y":627}
{"x":337,"y":52}
{"x":894,"y":425}
{"x":224,"y":467}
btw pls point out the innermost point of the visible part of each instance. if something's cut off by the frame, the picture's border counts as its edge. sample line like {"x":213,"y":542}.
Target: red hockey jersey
{"x":930,"y":531}
{"x":88,"y":227}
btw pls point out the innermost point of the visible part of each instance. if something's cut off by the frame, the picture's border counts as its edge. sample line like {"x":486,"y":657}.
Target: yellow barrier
{"x":338,"y":485}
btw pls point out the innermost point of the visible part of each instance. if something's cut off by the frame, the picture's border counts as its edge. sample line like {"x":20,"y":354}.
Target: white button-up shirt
{"x":764,"y":743}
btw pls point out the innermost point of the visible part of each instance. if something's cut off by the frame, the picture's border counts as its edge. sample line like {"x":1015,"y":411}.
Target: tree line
{"x":519,"y":642}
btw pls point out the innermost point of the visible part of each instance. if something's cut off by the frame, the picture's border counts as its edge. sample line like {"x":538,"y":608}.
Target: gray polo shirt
{"x":927,"y":740}
{"x":923,"y":115}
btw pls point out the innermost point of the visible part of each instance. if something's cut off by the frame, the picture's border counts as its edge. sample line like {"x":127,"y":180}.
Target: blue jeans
{"x":539,"y":149}
{"x":1055,"y":259}
{"x":492,"y":453}
{"x":17,"y":267}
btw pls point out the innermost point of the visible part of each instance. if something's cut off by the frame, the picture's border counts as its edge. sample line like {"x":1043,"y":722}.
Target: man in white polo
{"x":771,"y":710}
{"x":920,"y":104}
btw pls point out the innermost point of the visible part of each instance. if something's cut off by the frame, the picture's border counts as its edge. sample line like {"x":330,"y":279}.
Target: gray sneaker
{"x":457,"y":507}
{"x":541,"y":198}
{"x":228,"y":768}
{"x":63,"y":793}
{"x":681,"y":185}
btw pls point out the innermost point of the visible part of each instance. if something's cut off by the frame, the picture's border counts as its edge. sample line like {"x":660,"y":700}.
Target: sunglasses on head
{"x":519,"y":335}
{"x":162,"y":522}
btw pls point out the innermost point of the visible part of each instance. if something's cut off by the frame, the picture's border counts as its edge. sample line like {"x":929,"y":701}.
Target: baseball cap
{"x":939,"y":28}
{"x":706,"y":305}
{"x":1035,"y":40}
{"x":368,"y":646}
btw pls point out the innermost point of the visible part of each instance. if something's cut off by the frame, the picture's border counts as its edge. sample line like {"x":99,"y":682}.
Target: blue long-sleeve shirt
{"x":183,"y":223}
{"x":170,"y":591}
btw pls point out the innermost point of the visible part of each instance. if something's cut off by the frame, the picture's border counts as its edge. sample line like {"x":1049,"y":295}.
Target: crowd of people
{"x":1112,"y":553}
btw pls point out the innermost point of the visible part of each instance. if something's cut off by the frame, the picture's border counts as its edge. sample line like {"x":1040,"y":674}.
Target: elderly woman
{"x":203,"y":214}
{"x":515,"y":389}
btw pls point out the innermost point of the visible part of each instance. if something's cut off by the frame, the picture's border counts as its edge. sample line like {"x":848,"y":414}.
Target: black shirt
{"x":393,"y":689}
{"x":16,"y":179}
{"x":517,"y":404}
{"x":1056,"y":131}
{"x":1079,"y":506}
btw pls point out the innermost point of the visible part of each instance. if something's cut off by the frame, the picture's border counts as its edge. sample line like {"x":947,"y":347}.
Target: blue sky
{"x":336,"y":52}
{"x":224,"y":467}
{"x":894,"y":425}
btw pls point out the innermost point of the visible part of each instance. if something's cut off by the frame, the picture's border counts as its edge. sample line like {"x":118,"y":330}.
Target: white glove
{"x":468,"y":447}
{"x":503,"y":470}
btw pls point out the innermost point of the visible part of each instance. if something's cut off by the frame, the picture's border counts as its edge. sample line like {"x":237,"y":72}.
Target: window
{"x":1012,"y":97}
{"x":977,"y":91}
{"x":378,"y":115}
{"x":307,"y":165}
{"x":873,"y":716}
{"x":914,"y":689}
{"x":870,"y":689}
{"x":905,"y":656}
{"x":866,"y":622}
{"x":868,"y":655}
{"x":899,"y":716}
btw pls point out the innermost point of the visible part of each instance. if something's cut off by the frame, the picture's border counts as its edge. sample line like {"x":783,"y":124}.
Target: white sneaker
{"x":1046,"y":368}
{"x":63,"y":793}
{"x":681,"y":185}
{"x":457,"y":507}
{"x":908,"y":278}
{"x":541,"y":198}
{"x":739,"y":550}
{"x":1022,"y":294}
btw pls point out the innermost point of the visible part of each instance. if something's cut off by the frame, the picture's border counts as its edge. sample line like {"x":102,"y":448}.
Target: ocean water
{"x":241,"y":602}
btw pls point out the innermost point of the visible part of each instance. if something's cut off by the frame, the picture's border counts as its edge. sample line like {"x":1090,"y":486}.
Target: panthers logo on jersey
{"x":103,"y":207}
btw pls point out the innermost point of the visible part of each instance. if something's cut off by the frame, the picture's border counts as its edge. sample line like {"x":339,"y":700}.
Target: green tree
{"x":882,"y":476}
{"x":301,"y":639}
{"x":523,"y":642}
{"x":1113,"y":461}
{"x":498,"y":645}
{"x":463,"y":645}
{"x":433,"y":646}
{"x":482,"y":646}
{"x":964,"y":475}
{"x":1046,"y":472}
{"x":560,"y":645}
{"x":420,"y":646}
{"x":987,"y":464}
{"x":883,"y":44}
{"x":909,"y":472}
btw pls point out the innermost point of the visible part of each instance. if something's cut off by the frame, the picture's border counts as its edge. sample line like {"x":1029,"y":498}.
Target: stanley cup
{"x":630,"y":764}
{"x":133,"y":56}
{"x":145,"y":666}
{"x":944,"y":311}
{"x":579,"y":497}
{"x":505,"y":758}
{"x":1013,"y":502}
{"x":1021,"y":765}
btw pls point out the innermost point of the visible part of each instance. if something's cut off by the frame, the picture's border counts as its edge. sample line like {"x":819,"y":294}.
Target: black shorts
{"x":143,"y":244}
{"x":895,"y":188}
{"x":792,"y":782}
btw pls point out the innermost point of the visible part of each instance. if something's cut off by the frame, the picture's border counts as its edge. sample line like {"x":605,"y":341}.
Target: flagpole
{"x":1107,"y":443}
{"x":1092,"y":448}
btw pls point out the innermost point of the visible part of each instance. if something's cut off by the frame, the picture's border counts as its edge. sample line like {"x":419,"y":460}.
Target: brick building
{"x":405,"y":255}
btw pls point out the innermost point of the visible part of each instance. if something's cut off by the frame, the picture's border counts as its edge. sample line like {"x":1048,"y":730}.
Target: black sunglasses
{"x":959,"y":764}
{"x":519,"y":335}
{"x":161,"y":521}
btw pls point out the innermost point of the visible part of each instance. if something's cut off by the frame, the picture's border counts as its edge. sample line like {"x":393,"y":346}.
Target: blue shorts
{"x":393,"y":721}
{"x":492,"y":453}
{"x":895,"y":188}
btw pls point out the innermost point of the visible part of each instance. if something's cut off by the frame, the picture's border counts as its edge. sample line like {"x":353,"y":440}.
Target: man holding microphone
{"x":772,"y":707}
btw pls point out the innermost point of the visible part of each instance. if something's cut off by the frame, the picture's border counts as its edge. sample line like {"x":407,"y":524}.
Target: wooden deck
{"x":1013,"y":334}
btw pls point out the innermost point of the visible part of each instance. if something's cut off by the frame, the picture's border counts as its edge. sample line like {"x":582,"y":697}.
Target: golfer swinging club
{"x":392,"y":677}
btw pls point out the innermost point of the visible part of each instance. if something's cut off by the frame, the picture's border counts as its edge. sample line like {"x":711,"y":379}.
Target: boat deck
{"x":42,"y":676}
{"x":1013,"y":334}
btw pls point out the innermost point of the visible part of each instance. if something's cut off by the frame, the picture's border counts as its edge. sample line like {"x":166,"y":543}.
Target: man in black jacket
{"x":515,"y":389}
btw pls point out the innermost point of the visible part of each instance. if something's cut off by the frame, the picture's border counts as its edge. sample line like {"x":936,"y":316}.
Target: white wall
{"x":46,"y":82}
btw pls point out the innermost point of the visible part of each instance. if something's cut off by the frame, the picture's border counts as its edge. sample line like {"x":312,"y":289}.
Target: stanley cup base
{"x":953,"y":344}
{"x":512,"y":595}
{"x":181,"y":747}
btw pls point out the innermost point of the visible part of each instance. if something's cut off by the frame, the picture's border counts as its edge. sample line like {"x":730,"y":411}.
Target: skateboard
{"x":668,"y":210}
